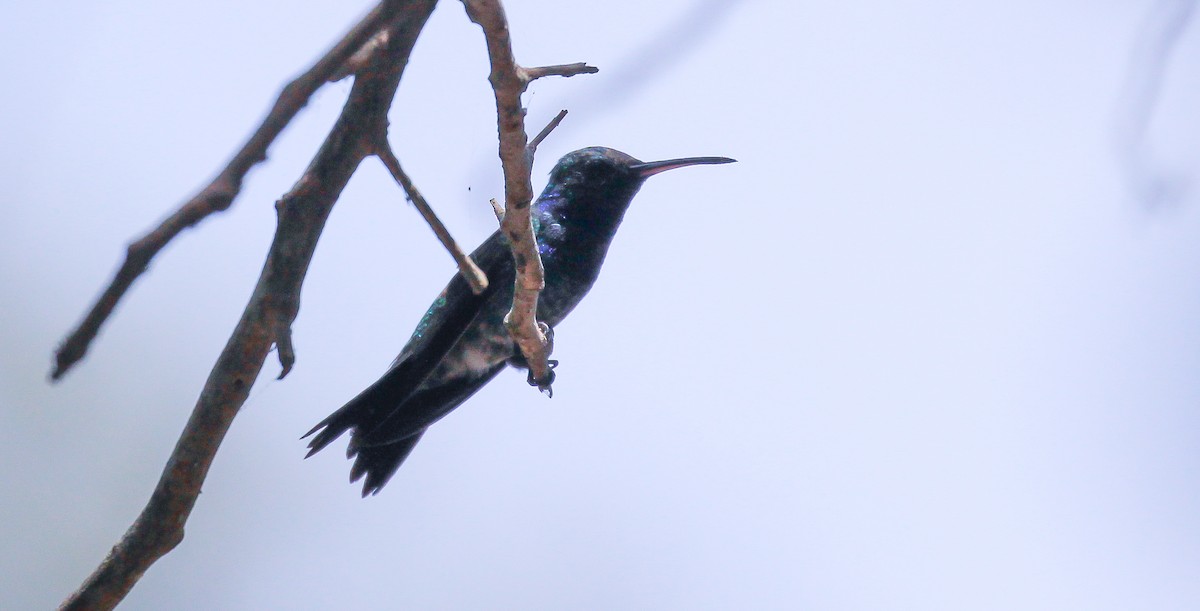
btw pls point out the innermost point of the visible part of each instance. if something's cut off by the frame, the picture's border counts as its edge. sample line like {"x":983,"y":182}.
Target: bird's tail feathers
{"x":379,"y":462}
{"x":362,"y":413}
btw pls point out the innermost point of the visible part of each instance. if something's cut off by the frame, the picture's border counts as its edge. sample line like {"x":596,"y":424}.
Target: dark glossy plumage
{"x":461,"y":343}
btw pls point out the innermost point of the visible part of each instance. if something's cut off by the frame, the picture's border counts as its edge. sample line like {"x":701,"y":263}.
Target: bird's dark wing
{"x":450,"y":315}
{"x":379,"y":462}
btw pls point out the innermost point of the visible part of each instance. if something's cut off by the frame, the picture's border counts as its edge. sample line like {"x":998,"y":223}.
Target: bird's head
{"x":608,"y":175}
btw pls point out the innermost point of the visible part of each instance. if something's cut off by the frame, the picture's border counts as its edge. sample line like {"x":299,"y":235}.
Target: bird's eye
{"x":598,"y":168}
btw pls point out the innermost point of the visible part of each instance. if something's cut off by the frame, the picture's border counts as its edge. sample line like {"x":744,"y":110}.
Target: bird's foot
{"x":544,"y":384}
{"x":518,"y":360}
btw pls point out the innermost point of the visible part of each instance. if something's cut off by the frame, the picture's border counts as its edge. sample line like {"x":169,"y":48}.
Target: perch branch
{"x":470,"y":272}
{"x":509,"y":81}
{"x":530,"y":150}
{"x":219,"y":194}
{"x":302,"y":213}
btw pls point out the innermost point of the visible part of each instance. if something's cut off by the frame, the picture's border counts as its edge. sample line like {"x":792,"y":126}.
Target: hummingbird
{"x":461,"y":343}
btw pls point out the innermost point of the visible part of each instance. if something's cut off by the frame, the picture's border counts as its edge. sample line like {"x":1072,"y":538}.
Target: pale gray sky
{"x":921,"y":348}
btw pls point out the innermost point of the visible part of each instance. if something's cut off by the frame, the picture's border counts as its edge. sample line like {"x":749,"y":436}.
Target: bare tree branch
{"x":497,"y":208}
{"x":267,"y":319}
{"x":470,"y":272}
{"x":219,"y":194}
{"x":566,"y":70}
{"x":530,"y":151}
{"x":531,"y":148}
{"x":361,"y":57}
{"x":509,"y":81}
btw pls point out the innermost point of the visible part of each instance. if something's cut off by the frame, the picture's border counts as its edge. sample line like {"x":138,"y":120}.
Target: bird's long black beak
{"x":650,"y":168}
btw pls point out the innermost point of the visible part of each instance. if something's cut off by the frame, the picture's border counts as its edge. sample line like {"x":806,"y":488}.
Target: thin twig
{"x":219,"y":194}
{"x":564,"y":70}
{"x":470,"y":272}
{"x":531,"y":148}
{"x":509,"y":81}
{"x":498,"y":208}
{"x":273,"y":306}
